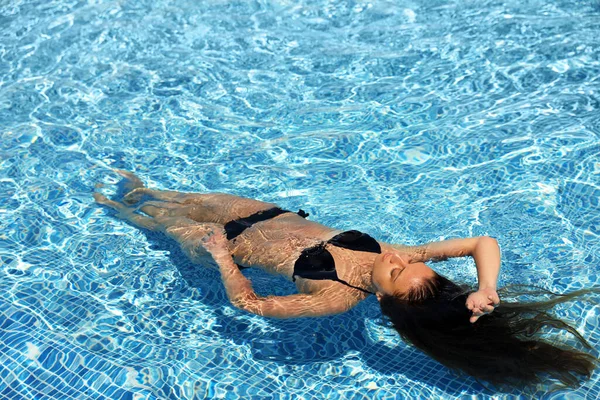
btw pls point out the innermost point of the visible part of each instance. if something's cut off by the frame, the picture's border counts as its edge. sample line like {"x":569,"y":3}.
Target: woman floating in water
{"x":465,"y":330}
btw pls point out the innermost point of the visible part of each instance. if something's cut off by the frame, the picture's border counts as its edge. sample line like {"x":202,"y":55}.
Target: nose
{"x":396,"y":259}
{"x":402,"y":259}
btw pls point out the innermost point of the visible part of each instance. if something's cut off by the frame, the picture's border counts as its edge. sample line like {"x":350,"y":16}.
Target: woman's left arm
{"x":487,"y":259}
{"x":242,"y":295}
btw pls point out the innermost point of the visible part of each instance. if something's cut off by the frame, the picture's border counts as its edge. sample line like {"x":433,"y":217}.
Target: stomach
{"x":275,"y":245}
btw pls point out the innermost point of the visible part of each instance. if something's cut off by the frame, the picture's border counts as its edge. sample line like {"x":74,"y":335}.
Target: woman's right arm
{"x":486,"y":253}
{"x":242,"y":295}
{"x":484,"y":250}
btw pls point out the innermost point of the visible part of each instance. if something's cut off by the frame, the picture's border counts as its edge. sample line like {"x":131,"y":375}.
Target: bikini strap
{"x":302,"y":213}
{"x":352,"y":286}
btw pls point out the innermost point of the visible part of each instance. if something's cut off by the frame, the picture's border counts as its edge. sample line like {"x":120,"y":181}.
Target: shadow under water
{"x":307,"y":341}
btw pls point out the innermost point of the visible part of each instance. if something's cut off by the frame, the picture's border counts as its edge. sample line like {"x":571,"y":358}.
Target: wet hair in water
{"x":510,"y":347}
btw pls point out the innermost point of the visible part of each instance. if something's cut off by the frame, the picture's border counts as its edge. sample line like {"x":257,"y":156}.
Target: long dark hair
{"x":504,"y":348}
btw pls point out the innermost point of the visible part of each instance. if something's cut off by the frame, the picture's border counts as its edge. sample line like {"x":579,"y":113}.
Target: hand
{"x":482,"y":302}
{"x":215,"y":241}
{"x":196,"y":239}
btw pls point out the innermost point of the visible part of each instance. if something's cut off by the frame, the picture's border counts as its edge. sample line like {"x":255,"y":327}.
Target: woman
{"x":334,"y":271}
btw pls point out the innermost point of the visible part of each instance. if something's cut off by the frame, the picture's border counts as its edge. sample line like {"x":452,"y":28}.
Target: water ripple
{"x":413,"y":122}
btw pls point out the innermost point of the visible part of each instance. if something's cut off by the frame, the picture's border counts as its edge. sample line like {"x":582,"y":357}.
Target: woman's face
{"x":393,"y":275}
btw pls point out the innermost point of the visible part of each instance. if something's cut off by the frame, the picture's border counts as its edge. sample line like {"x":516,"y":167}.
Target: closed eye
{"x":397,"y":273}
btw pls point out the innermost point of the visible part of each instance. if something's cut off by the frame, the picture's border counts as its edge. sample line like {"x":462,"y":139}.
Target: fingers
{"x":495,"y":299}
{"x":480,"y":311}
{"x":475,"y":305}
{"x":481,"y":308}
{"x":487,"y":308}
{"x":481,"y":303}
{"x":476,"y":314}
{"x":484,"y":305}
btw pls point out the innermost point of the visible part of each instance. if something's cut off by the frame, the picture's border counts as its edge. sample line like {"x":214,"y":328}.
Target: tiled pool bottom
{"x":142,"y":323}
{"x":411,"y":122}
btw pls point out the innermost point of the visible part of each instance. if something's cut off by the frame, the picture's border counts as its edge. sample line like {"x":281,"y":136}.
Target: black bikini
{"x":315,"y":262}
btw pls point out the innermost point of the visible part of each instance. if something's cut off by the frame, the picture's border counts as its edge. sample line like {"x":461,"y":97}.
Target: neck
{"x":357,"y":270}
{"x":366,"y":276}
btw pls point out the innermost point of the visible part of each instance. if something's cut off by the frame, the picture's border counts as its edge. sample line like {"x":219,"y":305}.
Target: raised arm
{"x":483,"y":249}
{"x":486,"y":253}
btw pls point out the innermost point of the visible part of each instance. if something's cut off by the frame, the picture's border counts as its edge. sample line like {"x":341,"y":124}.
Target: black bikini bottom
{"x":234,"y":228}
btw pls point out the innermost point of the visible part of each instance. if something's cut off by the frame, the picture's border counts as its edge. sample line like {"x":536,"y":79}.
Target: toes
{"x":100,"y":198}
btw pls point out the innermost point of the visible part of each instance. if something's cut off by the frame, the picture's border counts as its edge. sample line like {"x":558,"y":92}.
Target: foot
{"x":135,"y":195}
{"x":131,"y":181}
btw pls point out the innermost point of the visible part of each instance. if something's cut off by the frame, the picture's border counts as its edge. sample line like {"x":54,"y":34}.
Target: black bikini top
{"x":317,"y":262}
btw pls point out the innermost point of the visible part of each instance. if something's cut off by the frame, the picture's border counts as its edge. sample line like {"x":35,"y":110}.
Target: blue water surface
{"x":414,"y":121}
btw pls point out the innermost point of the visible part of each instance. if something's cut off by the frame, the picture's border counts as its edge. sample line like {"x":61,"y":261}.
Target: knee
{"x":154,"y":211}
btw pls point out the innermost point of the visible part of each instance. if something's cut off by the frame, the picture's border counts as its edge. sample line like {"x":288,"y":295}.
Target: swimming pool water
{"x":411,"y":120}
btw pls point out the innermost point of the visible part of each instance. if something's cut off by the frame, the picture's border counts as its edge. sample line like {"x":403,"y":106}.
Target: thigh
{"x":221,"y":208}
{"x":217,"y":208}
